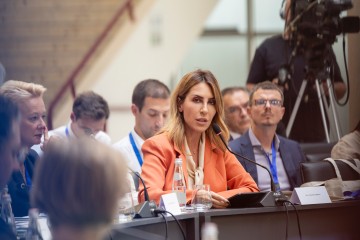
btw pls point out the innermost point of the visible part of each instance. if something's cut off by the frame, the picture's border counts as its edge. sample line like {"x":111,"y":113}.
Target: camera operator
{"x":274,"y":54}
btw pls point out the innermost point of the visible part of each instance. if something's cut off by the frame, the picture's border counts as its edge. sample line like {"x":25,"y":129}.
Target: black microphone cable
{"x":146,"y":194}
{"x":297,"y":217}
{"x":166,"y":225}
{"x":287,"y":222}
{"x":158,"y":211}
{"x":284,"y":202}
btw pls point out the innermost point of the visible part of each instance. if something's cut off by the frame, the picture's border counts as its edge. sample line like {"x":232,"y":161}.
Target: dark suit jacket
{"x":290,"y":153}
{"x":18,"y":190}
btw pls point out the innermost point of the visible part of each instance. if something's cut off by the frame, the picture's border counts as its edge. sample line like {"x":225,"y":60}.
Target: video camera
{"x":313,"y":28}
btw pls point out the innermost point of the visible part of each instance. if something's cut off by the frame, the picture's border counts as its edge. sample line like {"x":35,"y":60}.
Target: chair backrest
{"x":323,"y":170}
{"x":315,"y":152}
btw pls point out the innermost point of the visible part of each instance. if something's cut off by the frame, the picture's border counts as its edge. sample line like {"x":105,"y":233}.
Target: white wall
{"x":154,"y":50}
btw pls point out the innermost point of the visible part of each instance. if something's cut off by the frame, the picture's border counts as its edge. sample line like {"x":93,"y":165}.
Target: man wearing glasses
{"x":88,"y":117}
{"x":236,"y":100}
{"x":261,"y":143}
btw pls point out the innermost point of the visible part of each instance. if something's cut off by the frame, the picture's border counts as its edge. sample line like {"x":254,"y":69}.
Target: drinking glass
{"x":201,"y":198}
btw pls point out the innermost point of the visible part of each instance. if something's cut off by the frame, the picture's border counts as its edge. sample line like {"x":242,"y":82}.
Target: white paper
{"x":310,"y":195}
{"x":170,"y":203}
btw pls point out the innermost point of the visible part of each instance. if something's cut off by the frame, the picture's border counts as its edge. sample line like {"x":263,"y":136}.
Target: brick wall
{"x":42,"y":41}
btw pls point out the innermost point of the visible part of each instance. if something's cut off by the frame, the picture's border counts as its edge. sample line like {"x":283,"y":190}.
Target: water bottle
{"x":33,"y":231}
{"x":178,"y":185}
{"x":6,"y":210}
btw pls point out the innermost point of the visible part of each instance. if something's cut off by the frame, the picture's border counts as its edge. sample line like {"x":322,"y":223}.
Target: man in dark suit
{"x":261,"y":143}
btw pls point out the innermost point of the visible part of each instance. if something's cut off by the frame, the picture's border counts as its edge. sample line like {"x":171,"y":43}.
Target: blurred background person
{"x":88,"y":118}
{"x":29,"y":99}
{"x":195,"y":105}
{"x":274,"y":54}
{"x":150,"y":107}
{"x":69,"y":166}
{"x":348,"y":146}
{"x":261,"y":143}
{"x":10,"y":147}
{"x":237,"y":120}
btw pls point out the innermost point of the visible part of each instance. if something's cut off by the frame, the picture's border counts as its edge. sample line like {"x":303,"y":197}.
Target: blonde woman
{"x":195,"y":104}
{"x":29,"y":98}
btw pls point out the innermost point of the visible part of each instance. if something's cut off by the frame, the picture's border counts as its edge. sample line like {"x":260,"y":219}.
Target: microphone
{"x":272,"y":198}
{"x":146,"y":208}
{"x":146,"y":194}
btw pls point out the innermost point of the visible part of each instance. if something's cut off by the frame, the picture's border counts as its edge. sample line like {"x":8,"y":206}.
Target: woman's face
{"x":32,"y":125}
{"x":198,"y":108}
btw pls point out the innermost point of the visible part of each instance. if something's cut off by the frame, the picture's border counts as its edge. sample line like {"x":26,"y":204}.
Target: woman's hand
{"x":219,"y":201}
{"x":48,"y":140}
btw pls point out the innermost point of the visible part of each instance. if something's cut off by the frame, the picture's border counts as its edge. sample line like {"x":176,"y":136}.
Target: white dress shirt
{"x":125,"y":147}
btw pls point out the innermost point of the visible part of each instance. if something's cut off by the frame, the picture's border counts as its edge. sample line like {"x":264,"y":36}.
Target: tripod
{"x":322,"y":101}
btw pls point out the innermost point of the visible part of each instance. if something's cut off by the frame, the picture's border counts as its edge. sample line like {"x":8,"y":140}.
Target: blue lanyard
{"x":136,"y":150}
{"x":67,"y":132}
{"x":28,"y":178}
{"x":272,"y":164}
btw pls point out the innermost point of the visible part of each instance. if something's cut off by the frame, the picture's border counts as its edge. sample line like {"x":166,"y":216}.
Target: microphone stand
{"x":272,"y":198}
{"x":144,"y":209}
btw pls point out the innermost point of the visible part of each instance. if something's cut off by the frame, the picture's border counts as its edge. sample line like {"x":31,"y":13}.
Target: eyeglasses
{"x":272,"y":102}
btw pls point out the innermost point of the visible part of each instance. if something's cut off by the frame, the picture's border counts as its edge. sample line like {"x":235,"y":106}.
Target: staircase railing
{"x":127,"y":7}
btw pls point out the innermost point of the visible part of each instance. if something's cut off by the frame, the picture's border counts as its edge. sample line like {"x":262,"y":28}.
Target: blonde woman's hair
{"x":175,"y":126}
{"x":19,"y":91}
{"x":79,"y":183}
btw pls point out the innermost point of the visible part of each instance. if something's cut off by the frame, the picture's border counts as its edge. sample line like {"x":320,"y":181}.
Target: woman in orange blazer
{"x":195,"y":104}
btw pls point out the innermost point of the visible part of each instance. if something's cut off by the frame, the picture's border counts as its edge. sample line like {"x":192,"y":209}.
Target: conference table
{"x":155,"y":228}
{"x":338,"y":220}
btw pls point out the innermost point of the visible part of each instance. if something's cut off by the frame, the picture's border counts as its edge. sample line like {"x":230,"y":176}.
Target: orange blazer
{"x":222,"y":172}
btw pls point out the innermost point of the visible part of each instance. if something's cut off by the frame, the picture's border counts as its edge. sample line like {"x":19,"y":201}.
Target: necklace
{"x":193,"y":152}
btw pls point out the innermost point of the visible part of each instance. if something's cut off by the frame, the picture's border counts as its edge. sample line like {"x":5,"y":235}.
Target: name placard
{"x":170,"y":203}
{"x":310,"y":195}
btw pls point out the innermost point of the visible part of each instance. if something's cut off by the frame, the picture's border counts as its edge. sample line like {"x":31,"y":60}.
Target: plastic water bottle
{"x":6,"y":210}
{"x":178,"y":185}
{"x":33,"y":231}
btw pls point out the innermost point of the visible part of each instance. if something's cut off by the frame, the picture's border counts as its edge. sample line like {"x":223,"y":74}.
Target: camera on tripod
{"x":314,"y":27}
